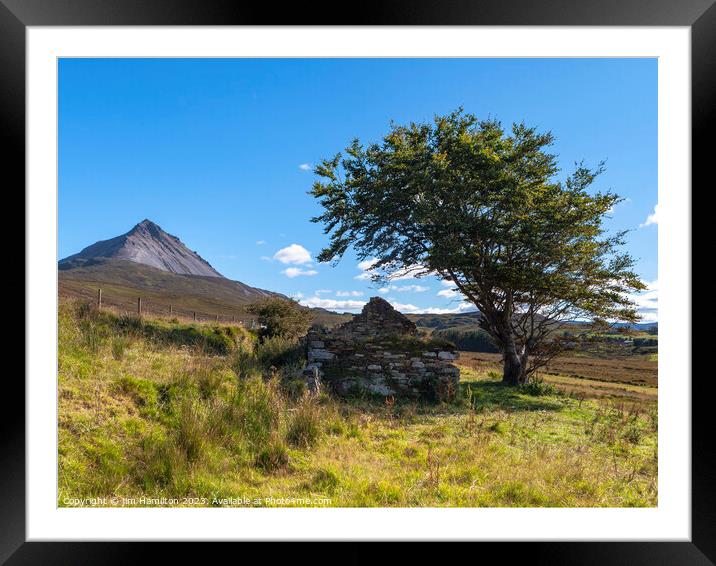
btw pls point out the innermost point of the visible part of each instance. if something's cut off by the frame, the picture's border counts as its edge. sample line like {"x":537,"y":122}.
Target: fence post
{"x":194,"y":316}
{"x":139,"y":306}
{"x":171,"y":310}
{"x":217,"y":318}
{"x":99,"y":299}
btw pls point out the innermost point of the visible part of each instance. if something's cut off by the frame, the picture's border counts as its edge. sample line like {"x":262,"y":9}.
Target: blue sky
{"x":219,"y":152}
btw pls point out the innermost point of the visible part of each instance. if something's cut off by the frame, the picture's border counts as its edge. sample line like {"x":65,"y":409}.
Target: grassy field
{"x":153,"y":409}
{"x":621,"y":379}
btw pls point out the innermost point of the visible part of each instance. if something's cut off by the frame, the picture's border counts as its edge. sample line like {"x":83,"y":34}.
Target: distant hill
{"x":146,"y":244}
{"x":123,"y":281}
{"x":461,"y":321}
{"x":468,"y":322}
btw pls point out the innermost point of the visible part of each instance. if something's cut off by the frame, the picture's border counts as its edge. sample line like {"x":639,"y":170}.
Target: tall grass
{"x":154,"y":413}
{"x":210,"y":413}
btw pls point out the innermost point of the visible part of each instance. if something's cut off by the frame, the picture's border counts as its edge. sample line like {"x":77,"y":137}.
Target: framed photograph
{"x":424,"y":275}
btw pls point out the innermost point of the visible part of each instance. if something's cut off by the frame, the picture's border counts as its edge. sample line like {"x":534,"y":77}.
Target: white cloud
{"x":365,"y":266}
{"x":404,"y":288}
{"x":447,"y":292}
{"x":294,"y":254}
{"x":412,"y":309}
{"x":463,"y":306}
{"x":260,"y":242}
{"x":405,"y":308}
{"x":292,"y":272}
{"x":647,"y":301}
{"x":349,"y":293}
{"x":450,"y":289}
{"x":305,"y":167}
{"x":413,"y":288}
{"x":367,"y":263}
{"x":322,"y":291}
{"x":265,"y":258}
{"x":332,"y":304}
{"x":653,"y":218}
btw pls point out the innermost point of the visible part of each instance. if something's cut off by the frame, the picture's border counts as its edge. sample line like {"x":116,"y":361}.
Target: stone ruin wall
{"x":379,"y":352}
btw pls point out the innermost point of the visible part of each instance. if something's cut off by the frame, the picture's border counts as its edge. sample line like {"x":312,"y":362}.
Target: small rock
{"x":314,"y":355}
{"x":447,"y":356}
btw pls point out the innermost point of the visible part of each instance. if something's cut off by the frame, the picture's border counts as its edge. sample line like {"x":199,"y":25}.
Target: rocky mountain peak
{"x":147,"y":243}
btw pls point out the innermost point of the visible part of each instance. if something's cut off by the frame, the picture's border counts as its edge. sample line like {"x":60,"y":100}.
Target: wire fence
{"x":142,"y":305}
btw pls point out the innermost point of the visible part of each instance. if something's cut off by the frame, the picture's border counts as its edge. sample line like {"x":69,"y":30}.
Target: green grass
{"x":155,"y":414}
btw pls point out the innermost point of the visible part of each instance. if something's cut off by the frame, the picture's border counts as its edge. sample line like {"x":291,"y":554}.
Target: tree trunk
{"x":515,"y":359}
{"x":514,"y":368}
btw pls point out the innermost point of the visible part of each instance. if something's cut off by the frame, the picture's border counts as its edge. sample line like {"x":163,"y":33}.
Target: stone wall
{"x":379,"y":352}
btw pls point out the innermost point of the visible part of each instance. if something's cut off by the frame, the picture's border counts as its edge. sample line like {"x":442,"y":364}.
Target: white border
{"x":669,"y":521}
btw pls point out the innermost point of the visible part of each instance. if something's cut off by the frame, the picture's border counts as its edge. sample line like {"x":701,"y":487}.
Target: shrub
{"x":281,"y":317}
{"x":279,"y":351}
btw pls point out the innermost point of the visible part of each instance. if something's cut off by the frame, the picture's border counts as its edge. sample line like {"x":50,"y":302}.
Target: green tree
{"x":281,"y":317}
{"x":480,"y":207}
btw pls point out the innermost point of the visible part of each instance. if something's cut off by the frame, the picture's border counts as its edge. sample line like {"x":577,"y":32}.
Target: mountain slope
{"x":122,"y":282}
{"x":145,"y":244}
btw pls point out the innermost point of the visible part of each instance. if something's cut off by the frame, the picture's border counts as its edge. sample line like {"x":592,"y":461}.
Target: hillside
{"x":123,"y":281}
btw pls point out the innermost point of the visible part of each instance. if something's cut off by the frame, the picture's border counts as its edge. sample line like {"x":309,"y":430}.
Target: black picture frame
{"x":699,"y":15}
